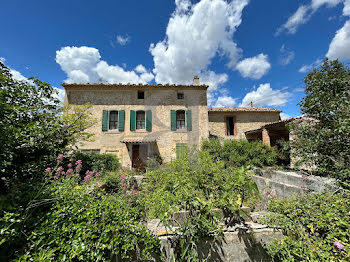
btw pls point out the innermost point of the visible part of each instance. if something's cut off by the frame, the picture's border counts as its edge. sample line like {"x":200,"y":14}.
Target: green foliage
{"x":102,"y":163}
{"x":325,"y":142}
{"x":175,"y":186}
{"x":86,"y":224}
{"x":311,"y":225}
{"x":240,"y":153}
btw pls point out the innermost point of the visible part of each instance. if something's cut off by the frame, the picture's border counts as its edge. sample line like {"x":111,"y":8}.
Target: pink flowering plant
{"x":316,"y":227}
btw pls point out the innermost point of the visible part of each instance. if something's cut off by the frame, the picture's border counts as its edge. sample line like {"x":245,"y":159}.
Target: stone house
{"x":136,"y":122}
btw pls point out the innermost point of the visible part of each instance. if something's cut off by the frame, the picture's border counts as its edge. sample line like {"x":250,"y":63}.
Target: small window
{"x":140,"y":95}
{"x":140,"y":120}
{"x":113,"y":120}
{"x":230,"y":126}
{"x":180,"y":95}
{"x":180,"y":119}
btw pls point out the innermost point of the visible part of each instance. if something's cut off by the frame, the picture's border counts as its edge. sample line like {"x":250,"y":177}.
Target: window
{"x":140,"y":95}
{"x":180,"y":119}
{"x":89,"y":151}
{"x":140,"y":120}
{"x":181,"y":150}
{"x":113,"y":120}
{"x":180,"y":95}
{"x":230,"y":126}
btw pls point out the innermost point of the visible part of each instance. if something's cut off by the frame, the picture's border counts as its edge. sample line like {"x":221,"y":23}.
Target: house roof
{"x":243,"y":109}
{"x":128,"y":85}
{"x":273,"y":124}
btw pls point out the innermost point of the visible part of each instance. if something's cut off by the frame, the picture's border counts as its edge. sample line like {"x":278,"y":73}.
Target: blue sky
{"x":245,"y":50}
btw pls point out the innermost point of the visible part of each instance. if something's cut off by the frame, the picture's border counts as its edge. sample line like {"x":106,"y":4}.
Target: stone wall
{"x":244,"y":121}
{"x":160,"y":100}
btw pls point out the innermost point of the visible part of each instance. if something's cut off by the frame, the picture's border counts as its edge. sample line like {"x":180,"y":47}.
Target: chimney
{"x":196,"y":80}
{"x":251,"y":103}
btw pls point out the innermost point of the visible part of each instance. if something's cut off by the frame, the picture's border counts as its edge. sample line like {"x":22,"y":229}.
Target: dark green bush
{"x":240,"y":153}
{"x":97,"y":162}
{"x":315,"y":227}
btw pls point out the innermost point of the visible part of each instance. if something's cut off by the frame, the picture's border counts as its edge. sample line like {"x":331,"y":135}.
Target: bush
{"x":240,"y":153}
{"x":86,"y":224}
{"x":176,"y":186}
{"x":101,"y":163}
{"x":316,"y":227}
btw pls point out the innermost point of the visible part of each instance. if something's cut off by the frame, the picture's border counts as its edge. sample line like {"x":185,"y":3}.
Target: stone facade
{"x":159,"y":101}
{"x":245,"y":119}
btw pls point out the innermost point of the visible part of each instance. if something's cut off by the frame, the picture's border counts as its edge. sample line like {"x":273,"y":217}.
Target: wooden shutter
{"x":173,"y":120}
{"x":189,"y":120}
{"x":132,"y":120}
{"x":104,"y":120}
{"x":148,"y":120}
{"x":121,"y":120}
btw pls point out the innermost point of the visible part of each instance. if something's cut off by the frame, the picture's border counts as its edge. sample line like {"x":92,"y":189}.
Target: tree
{"x":325,"y":142}
{"x":34,"y":129}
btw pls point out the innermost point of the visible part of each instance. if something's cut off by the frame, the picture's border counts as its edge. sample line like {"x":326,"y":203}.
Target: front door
{"x":139,"y":157}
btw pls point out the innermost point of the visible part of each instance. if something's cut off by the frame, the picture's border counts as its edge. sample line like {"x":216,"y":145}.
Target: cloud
{"x":225,"y":101}
{"x":17,"y":75}
{"x":84,"y":65}
{"x":123,"y":40}
{"x":266,"y":96}
{"x":284,"y":116}
{"x":303,"y":15}
{"x":346,"y":10}
{"x":196,"y":33}
{"x":254,"y":67}
{"x":339,"y":48}
{"x":308,"y":68}
{"x":286,"y":56}
{"x":298,"y":89}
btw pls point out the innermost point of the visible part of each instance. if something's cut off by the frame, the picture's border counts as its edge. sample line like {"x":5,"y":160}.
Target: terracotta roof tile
{"x":153,"y":85}
{"x":243,"y":109}
{"x":139,"y":140}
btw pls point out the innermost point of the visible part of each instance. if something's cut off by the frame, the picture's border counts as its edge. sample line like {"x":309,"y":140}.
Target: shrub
{"x":316,"y":227}
{"x":240,"y":153}
{"x":86,"y":224}
{"x":176,"y":186}
{"x":101,"y":163}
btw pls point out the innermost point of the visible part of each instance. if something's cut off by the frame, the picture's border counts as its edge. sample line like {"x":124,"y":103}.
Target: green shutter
{"x":148,"y":120}
{"x":189,"y":120}
{"x":104,"y":120}
{"x":121,"y":120}
{"x":181,"y":150}
{"x":173,"y":119}
{"x":132,"y":120}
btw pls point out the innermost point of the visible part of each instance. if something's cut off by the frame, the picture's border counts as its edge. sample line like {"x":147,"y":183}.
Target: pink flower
{"x":55,"y":177}
{"x":338,"y":245}
{"x":69,"y":171}
{"x":97,"y":175}
{"x":62,"y":173}
{"x":302,"y":187}
{"x":70,"y":165}
{"x":60,"y":157}
{"x":122,"y":177}
{"x":77,"y":175}
{"x":79,"y":162}
{"x":86,"y":179}
{"x":78,"y":168}
{"x":48,"y":170}
{"x":59,"y":169}
{"x":124,"y":185}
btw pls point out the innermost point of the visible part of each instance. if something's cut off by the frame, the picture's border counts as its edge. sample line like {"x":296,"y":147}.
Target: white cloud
{"x":346,"y":10}
{"x":18,"y":76}
{"x":123,"y":40}
{"x":284,"y":116}
{"x":254,"y":67}
{"x":60,"y":94}
{"x":339,"y":48}
{"x":2,"y":59}
{"x":266,"y":96}
{"x":286,"y":56}
{"x":195,"y":34}
{"x":303,"y":15}
{"x":308,"y":68}
{"x":225,"y":101}
{"x":140,"y":69}
{"x":84,"y":65}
